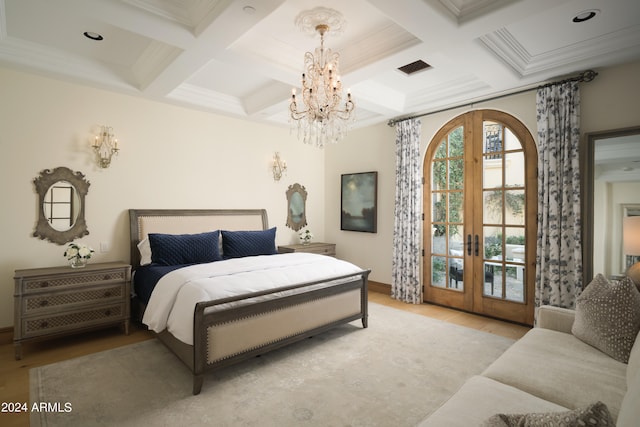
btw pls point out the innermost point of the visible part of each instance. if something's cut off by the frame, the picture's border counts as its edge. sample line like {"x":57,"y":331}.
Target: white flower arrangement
{"x":306,"y":236}
{"x":78,"y":251}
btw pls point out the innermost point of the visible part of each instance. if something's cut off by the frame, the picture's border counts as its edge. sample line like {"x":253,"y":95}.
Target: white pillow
{"x":145,"y":251}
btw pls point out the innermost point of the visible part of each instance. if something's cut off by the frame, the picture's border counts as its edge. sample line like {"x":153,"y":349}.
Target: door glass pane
{"x":492,"y":206}
{"x":455,"y":274}
{"x":439,"y":206}
{"x":441,"y":152}
{"x":438,"y":271}
{"x":492,"y":279}
{"x":511,"y":142}
{"x":439,"y":175}
{"x":492,"y":172}
{"x":456,"y":207}
{"x":514,"y":169}
{"x":514,"y":243}
{"x":456,"y":252}
{"x":514,"y":282}
{"x":456,"y":169}
{"x":492,"y":140}
{"x":492,"y":243}
{"x":456,"y":142}
{"x":438,"y":245}
{"x":514,"y":209}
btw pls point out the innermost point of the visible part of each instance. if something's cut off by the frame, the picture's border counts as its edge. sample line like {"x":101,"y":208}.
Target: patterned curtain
{"x":559,"y":252}
{"x":405,"y":281}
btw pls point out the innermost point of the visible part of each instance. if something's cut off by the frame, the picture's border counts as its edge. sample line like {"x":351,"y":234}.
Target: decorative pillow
{"x":608,"y":316}
{"x":237,"y":244}
{"x":178,"y":249}
{"x":594,"y":415}
{"x":144,"y":247}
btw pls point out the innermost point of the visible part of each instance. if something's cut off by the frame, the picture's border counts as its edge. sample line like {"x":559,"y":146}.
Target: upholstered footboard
{"x":228,"y":336}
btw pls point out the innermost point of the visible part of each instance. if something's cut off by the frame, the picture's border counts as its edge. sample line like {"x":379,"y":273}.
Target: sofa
{"x":547,"y":371}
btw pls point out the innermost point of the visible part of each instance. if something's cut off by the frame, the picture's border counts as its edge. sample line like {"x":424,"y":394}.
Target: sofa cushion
{"x":594,"y":415}
{"x":608,"y":316}
{"x":558,"y":367}
{"x":555,"y":318}
{"x":480,"y":398}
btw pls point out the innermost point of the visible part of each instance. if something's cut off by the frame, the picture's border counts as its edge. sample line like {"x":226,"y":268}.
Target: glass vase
{"x":78,"y":262}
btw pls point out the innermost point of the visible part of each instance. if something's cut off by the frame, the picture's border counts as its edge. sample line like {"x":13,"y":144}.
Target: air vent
{"x":414,"y":67}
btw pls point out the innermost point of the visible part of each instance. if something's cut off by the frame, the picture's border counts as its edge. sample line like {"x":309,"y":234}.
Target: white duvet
{"x":173,"y":300}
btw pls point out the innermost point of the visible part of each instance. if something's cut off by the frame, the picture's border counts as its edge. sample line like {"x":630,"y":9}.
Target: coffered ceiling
{"x":243,"y":57}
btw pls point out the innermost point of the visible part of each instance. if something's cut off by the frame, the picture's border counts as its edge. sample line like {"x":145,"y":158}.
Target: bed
{"x":208,"y":319}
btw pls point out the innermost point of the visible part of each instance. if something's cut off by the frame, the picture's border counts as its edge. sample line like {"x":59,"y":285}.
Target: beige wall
{"x":171,"y":157}
{"x":177,"y":158}
{"x":612,"y":100}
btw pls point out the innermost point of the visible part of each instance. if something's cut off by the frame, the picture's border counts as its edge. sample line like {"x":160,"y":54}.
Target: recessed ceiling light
{"x":93,"y":36}
{"x":249,"y":10}
{"x":585,"y":15}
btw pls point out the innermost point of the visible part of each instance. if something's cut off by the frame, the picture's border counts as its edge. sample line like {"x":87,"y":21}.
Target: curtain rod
{"x":585,"y":76}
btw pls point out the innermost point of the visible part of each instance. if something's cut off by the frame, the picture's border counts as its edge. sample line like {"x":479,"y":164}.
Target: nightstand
{"x":56,"y":301}
{"x":313,"y":247}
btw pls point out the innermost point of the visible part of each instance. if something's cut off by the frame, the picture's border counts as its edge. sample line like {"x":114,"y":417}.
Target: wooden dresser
{"x":313,"y":247}
{"x":59,"y":301}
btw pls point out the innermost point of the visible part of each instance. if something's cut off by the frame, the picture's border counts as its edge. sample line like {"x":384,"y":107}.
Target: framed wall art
{"x":359,"y":202}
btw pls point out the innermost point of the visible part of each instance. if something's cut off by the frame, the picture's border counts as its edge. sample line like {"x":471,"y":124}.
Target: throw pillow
{"x":181,"y":249}
{"x":237,"y":244}
{"x":594,"y":415}
{"x":608,"y":316}
{"x":144,"y":247}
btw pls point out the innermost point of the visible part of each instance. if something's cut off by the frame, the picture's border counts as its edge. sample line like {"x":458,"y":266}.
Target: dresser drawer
{"x":37,"y":284}
{"x":313,"y":247}
{"x":34,"y":304}
{"x":323,"y":250}
{"x":32,"y":327}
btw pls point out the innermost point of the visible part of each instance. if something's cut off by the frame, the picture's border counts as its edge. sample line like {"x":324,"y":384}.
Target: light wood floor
{"x":14,"y":374}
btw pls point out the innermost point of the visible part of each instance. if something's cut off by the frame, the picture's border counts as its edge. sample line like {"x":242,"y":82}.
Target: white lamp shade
{"x":631,"y":235}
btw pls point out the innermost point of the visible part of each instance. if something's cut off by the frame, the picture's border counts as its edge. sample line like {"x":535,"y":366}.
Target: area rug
{"x":394,"y":373}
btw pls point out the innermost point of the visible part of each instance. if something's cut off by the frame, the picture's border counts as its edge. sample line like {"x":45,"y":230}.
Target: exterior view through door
{"x":480,"y":216}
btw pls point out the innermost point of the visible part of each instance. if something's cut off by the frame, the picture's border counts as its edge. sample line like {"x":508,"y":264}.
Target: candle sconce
{"x":105,"y":146}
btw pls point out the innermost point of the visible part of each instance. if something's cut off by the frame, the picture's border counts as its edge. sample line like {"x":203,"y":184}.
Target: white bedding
{"x":173,"y":300}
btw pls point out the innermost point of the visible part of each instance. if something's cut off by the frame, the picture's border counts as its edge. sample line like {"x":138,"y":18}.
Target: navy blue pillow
{"x":177,"y":249}
{"x":236,"y":244}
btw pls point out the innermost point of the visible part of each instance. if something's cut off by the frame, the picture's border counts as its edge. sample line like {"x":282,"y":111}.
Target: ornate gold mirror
{"x":61,"y":194}
{"x":296,"y":207}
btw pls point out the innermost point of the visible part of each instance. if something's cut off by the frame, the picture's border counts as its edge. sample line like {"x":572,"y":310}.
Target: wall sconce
{"x":279,"y":167}
{"x":105,"y":146}
{"x":631,"y":244}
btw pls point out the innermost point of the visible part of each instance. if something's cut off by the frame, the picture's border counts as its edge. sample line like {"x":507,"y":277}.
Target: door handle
{"x":468,"y":244}
{"x":477,"y":246}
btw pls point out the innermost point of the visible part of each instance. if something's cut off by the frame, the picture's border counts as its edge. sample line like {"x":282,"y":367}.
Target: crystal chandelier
{"x":322,"y":117}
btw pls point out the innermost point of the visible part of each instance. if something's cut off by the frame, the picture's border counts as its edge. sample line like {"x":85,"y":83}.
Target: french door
{"x":480,"y":203}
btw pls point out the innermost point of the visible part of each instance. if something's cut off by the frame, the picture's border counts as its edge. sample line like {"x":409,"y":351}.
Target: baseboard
{"x":383,"y":288}
{"x":6,"y":335}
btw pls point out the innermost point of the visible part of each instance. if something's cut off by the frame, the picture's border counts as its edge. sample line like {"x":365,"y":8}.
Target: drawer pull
{"x":44,"y":324}
{"x":44,"y":303}
{"x":107,"y":294}
{"x":107,"y":313}
{"x":44,"y":284}
{"x":106,"y":277}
